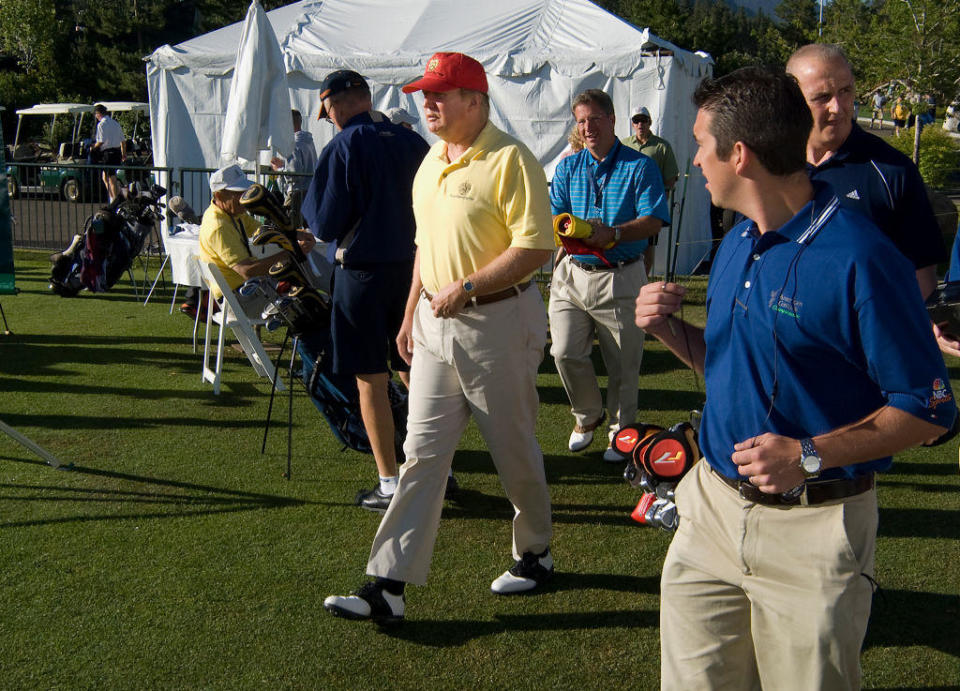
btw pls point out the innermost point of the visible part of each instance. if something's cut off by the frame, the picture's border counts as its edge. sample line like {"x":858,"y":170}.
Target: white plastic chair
{"x":231,"y":315}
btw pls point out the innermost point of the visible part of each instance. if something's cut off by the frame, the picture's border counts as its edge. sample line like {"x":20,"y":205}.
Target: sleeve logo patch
{"x":941,"y":394}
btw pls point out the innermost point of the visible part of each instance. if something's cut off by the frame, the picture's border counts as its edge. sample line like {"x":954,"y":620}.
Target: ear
{"x":741,"y":157}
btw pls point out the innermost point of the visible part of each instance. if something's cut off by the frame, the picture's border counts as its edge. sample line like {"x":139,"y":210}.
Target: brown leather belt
{"x":814,"y":492}
{"x":603,"y":267}
{"x":510,"y":292}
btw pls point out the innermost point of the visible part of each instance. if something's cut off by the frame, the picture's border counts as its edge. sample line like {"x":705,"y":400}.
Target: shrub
{"x":939,"y":154}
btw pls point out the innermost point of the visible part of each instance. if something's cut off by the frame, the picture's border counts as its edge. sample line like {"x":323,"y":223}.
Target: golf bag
{"x":657,"y":459}
{"x":112,"y":238}
{"x":336,"y":396}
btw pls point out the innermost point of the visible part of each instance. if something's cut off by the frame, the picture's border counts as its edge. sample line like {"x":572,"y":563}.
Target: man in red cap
{"x":474,"y":332}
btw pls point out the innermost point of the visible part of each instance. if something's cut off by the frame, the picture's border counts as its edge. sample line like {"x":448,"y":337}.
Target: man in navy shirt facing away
{"x":360,"y":198}
{"x":819,"y":364}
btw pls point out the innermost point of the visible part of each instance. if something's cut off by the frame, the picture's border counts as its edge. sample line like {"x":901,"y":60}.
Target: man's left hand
{"x":449,"y":301}
{"x":770,"y":462}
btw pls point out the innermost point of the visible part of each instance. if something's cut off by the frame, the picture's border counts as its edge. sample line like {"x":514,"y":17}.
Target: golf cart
{"x":49,"y":154}
{"x":61,"y":171}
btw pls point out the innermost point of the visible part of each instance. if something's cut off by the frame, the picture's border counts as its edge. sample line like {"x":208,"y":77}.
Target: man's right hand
{"x":405,"y":340}
{"x":655,"y":303}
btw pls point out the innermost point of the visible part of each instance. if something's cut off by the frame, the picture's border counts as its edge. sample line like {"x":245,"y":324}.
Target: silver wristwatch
{"x":810,"y":462}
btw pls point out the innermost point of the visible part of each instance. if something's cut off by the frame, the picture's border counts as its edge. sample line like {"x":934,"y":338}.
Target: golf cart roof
{"x":124,"y":106}
{"x":56,"y":109}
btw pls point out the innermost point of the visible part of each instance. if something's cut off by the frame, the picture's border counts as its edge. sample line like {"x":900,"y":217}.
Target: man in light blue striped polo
{"x":620,"y":192}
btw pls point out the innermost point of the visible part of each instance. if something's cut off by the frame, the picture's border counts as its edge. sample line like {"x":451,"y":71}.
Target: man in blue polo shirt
{"x":868,"y":175}
{"x":819,"y":364}
{"x":360,"y":198}
{"x":620,"y":192}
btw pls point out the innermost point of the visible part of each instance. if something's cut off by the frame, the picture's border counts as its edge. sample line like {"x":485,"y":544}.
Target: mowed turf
{"x":175,"y":555}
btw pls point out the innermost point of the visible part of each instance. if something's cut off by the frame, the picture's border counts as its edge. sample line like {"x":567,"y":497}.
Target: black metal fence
{"x":50,"y":202}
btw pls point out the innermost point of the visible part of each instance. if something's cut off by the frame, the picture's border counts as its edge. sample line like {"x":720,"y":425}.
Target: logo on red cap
{"x":449,"y":71}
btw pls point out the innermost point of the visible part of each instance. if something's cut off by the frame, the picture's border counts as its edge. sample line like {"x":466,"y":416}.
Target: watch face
{"x":810,"y":464}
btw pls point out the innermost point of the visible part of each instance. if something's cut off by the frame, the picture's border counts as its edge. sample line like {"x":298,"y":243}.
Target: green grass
{"x":174,"y":555}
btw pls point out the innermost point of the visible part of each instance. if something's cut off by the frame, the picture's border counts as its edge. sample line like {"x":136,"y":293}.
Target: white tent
{"x":538,"y":55}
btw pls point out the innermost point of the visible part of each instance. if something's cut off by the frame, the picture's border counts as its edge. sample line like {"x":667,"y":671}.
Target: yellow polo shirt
{"x":221,"y":243}
{"x":469,"y":211}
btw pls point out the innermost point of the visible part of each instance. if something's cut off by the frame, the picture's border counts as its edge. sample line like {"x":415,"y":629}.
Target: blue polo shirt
{"x":363,"y":180}
{"x":824,"y":317}
{"x":953,"y":272}
{"x":629,"y":185}
{"x":871,"y":177}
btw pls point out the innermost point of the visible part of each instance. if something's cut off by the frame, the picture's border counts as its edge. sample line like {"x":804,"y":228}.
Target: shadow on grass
{"x":927,"y":523}
{"x":911,"y":468}
{"x":194,"y":499}
{"x":451,"y":633}
{"x":923,"y":619}
{"x":91,"y":422}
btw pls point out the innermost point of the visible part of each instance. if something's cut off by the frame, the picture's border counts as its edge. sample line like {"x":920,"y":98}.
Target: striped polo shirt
{"x":629,"y":186}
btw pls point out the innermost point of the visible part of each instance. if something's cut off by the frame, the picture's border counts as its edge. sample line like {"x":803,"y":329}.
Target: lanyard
{"x":597,"y":187}
{"x":243,"y":235}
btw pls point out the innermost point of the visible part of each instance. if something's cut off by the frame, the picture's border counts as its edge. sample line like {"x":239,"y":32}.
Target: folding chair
{"x":231,"y":315}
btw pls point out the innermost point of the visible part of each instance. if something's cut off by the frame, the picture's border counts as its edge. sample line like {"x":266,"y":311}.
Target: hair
{"x":596,"y":97}
{"x":574,"y":139}
{"x":484,"y":98}
{"x":762,"y":107}
{"x":825,"y":52}
{"x":354,"y":94}
{"x":100,"y":108}
{"x":297,"y":118}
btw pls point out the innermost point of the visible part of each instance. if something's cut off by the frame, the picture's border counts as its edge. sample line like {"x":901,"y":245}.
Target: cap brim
{"x":429,"y":84}
{"x":239,"y":186}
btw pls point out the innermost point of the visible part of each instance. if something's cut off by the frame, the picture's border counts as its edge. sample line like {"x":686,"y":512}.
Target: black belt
{"x":510,"y":292}
{"x":814,"y":492}
{"x":604,"y":267}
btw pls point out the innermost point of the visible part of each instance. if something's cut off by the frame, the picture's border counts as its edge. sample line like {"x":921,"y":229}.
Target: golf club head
{"x":652,"y":515}
{"x":259,"y":285}
{"x":666,"y":516}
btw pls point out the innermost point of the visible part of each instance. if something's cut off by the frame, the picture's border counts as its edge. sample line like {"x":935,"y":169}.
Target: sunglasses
{"x":639,"y":118}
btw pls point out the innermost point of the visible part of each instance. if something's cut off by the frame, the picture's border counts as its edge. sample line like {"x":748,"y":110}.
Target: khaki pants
{"x":603,"y":302}
{"x":482,"y":363}
{"x":762,"y":596}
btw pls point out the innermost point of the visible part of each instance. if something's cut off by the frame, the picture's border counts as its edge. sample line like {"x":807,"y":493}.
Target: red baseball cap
{"x":449,"y":71}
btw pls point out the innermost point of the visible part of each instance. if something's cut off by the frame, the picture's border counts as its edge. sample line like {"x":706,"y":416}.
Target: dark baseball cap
{"x":335,"y":83}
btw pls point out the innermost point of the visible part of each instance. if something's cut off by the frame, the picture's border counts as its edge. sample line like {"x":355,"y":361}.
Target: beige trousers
{"x":481,"y":363}
{"x":603,"y":302}
{"x":762,"y":596}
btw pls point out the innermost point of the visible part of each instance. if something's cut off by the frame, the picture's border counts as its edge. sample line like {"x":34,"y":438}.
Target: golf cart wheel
{"x":71,"y":190}
{"x":13,"y":188}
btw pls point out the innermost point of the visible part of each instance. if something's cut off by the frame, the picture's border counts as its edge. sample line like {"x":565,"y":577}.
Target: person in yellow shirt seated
{"x":225,"y":233}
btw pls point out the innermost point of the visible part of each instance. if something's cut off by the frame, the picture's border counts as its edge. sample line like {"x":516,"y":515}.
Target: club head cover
{"x":287,"y":269}
{"x":626,"y":441}
{"x":268,"y":234}
{"x":639,"y":514}
{"x":258,"y":200}
{"x":670,"y":454}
